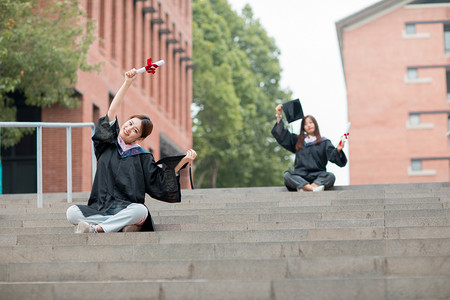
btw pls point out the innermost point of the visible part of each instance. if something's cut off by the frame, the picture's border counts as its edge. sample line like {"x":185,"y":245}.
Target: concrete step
{"x":429,"y":287}
{"x":178,"y":232}
{"x":250,"y":194}
{"x":50,"y":197}
{"x":262,"y":221}
{"x":174,"y":237}
{"x":283,"y":208}
{"x":305,"y":202}
{"x":268,"y":214}
{"x":304,"y":224}
{"x":62,"y":226}
{"x":356,"y":242}
{"x":434,"y":209}
{"x":234,"y":250}
{"x":267,"y":201}
{"x":222,"y":269}
{"x":36,"y":230}
{"x":380,"y":189}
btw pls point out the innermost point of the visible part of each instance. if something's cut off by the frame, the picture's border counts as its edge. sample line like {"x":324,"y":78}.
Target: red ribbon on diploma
{"x":344,"y":138}
{"x":151,"y":67}
{"x":346,"y":134}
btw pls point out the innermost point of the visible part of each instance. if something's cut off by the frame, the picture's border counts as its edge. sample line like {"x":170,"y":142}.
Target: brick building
{"x":129,"y":32}
{"x":396,"y":61}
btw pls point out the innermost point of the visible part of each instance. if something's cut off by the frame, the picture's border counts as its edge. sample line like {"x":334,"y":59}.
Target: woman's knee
{"x":140,"y":211}
{"x":329,"y":180}
{"x":289,"y":182}
{"x":73,"y":214}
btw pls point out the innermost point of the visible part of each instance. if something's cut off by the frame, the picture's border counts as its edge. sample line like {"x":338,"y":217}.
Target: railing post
{"x":94,"y":159}
{"x":39,"y":165}
{"x":69,"y":163}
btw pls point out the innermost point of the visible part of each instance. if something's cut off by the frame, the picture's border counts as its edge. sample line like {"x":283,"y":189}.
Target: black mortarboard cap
{"x":171,"y":161}
{"x":293,"y":110}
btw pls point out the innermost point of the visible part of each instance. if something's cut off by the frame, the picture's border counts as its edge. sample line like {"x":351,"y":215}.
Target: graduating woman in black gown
{"x":312,"y":153}
{"x":125,"y":173}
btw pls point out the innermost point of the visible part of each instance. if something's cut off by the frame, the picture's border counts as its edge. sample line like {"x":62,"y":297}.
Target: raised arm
{"x":130,"y":76}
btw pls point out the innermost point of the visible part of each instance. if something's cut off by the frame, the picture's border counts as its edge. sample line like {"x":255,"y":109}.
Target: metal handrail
{"x":68,"y":126}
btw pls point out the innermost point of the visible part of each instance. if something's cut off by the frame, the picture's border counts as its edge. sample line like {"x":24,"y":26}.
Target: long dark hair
{"x":146,"y":127}
{"x":302,"y":136}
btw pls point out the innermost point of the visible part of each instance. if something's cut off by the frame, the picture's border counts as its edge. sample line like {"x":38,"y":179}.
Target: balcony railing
{"x":68,"y":126}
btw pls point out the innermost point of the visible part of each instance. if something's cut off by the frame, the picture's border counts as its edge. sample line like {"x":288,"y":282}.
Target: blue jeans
{"x":133,"y":214}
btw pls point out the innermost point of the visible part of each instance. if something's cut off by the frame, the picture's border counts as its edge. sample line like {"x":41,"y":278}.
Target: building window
{"x":416,"y":169}
{"x":113,"y":29}
{"x":447,"y":38}
{"x":124,"y":34}
{"x":416,"y":165}
{"x":101,"y":29}
{"x":410,"y":28}
{"x":110,"y":98}
{"x":447,"y":73}
{"x":414,"y":122}
{"x":412,"y":73}
{"x":412,"y":76}
{"x":89,"y":9}
{"x":410,"y":32}
{"x":414,"y":119}
{"x":95,"y":113}
{"x":448,"y":129}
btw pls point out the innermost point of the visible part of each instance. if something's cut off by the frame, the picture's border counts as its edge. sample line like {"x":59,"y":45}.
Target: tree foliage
{"x":42,"y":46}
{"x":236,"y":89}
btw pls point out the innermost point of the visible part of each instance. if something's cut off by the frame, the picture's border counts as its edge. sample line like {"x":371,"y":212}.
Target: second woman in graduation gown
{"x":125,"y":173}
{"x":312,"y":153}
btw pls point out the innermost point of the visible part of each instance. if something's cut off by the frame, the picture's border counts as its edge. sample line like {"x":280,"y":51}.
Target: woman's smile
{"x":131,"y":130}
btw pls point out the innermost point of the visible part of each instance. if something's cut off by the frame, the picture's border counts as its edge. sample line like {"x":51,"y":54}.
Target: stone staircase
{"x":354,"y":242}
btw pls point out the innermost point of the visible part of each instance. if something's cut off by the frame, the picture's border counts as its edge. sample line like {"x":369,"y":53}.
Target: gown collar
{"x":126,"y":150}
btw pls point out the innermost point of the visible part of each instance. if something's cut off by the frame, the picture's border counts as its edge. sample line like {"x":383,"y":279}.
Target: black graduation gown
{"x":311,"y":159}
{"x":122,"y":180}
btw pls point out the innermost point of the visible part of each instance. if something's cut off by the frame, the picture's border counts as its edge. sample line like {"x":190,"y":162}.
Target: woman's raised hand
{"x":130,"y":75}
{"x":340,"y":146}
{"x":279,"y":108}
{"x":190,"y":155}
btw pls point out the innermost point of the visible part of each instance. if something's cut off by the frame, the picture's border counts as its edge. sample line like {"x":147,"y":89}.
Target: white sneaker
{"x":319,"y":188}
{"x":84,"y":227}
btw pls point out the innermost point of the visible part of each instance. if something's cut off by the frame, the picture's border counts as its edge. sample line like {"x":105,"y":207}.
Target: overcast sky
{"x":305,"y":33}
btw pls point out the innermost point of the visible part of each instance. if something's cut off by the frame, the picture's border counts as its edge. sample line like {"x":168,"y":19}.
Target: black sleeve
{"x":284,"y":137}
{"x":104,"y":135}
{"x":334,"y":156}
{"x":162,"y":183}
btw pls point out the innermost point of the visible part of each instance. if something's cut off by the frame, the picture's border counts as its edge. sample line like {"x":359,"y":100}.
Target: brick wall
{"x":129,"y":32}
{"x":376,"y":56}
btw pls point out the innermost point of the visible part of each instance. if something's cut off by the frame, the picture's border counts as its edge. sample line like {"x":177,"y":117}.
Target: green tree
{"x":42,"y":46}
{"x":222,"y":37}
{"x":219,"y":115}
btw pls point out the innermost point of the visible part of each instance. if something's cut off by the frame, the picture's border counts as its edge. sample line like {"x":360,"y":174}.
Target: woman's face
{"x":131,"y":130}
{"x":309,"y":126}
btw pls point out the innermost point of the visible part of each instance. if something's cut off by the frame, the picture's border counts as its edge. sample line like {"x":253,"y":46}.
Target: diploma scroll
{"x":345,"y":135}
{"x":150,"y":67}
